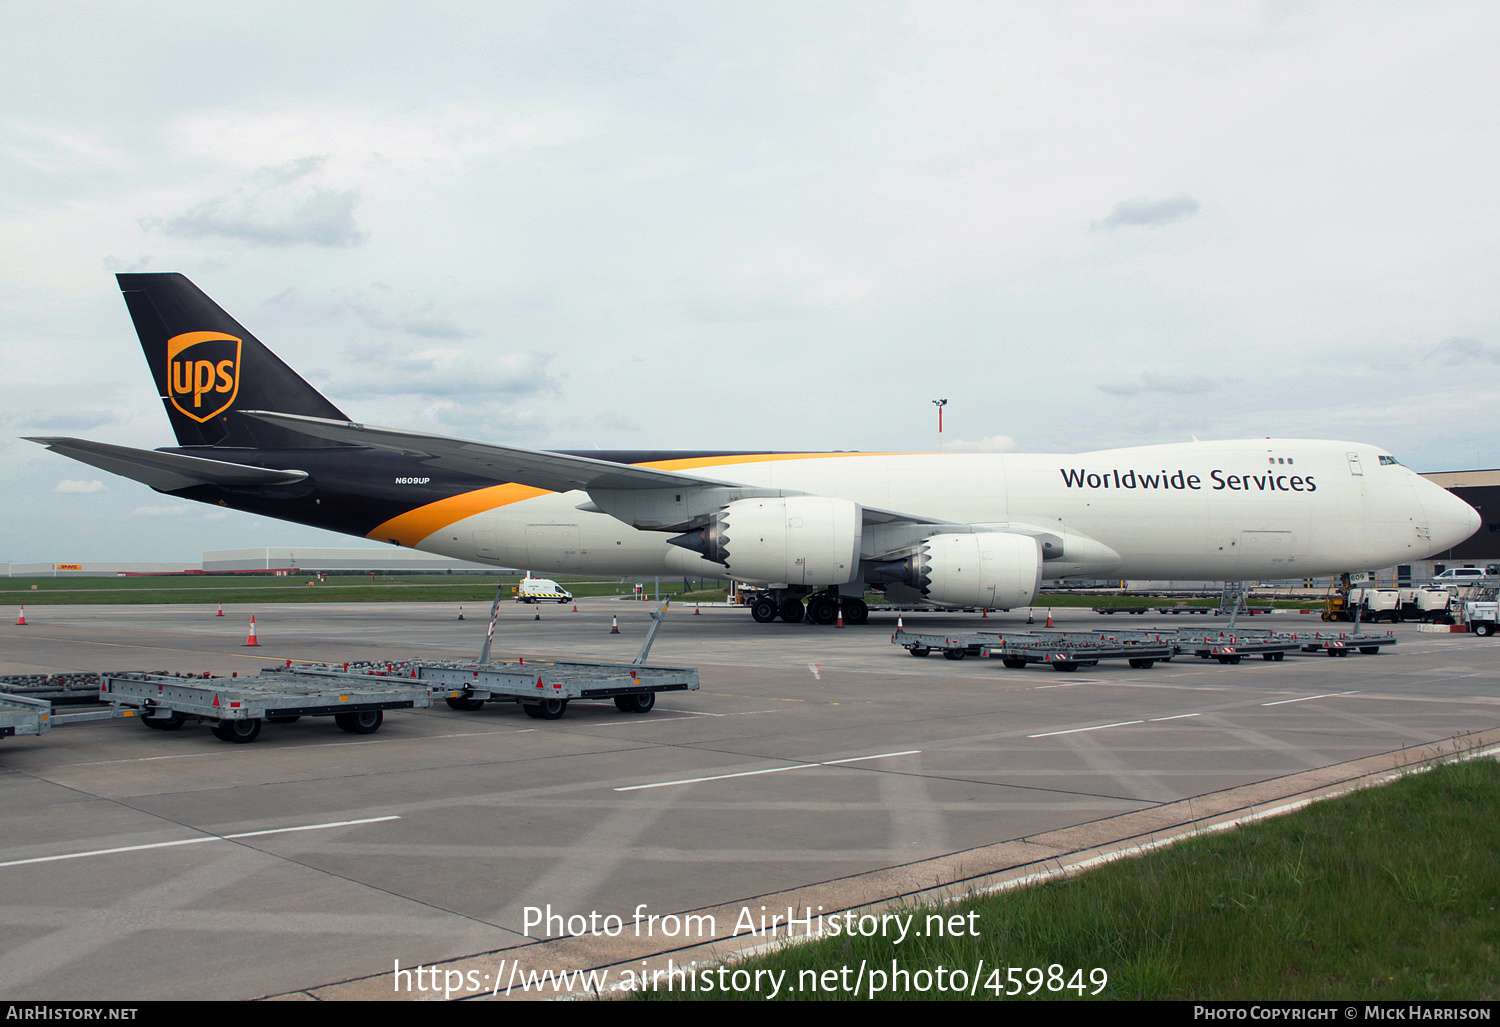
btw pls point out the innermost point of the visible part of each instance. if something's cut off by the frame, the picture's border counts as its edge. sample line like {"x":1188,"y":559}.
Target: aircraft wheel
{"x":823,"y":610}
{"x":855,"y":611}
{"x":918,"y":651}
{"x":361,"y":722}
{"x":792,"y":610}
{"x":640,"y":702}
{"x":547,"y":709}
{"x":237,"y":730}
{"x":465,"y":704}
{"x":169,"y":723}
{"x":764,"y":611}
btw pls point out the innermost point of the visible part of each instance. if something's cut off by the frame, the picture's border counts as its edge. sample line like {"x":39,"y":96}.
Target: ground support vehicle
{"x":29,"y":702}
{"x":1340,"y":643}
{"x":953,"y":647}
{"x":545,"y":688}
{"x":1233,"y":647}
{"x":1066,"y":651}
{"x":1062,"y":650}
{"x":1480,"y":612}
{"x":235,"y":708}
{"x":1429,"y":605}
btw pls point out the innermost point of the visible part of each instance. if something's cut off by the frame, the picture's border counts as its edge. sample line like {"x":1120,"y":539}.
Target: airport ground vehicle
{"x":541,"y":590}
{"x":960,"y":530}
{"x":1480,"y":612}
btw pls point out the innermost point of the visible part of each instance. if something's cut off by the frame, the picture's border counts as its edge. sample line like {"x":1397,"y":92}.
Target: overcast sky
{"x":752,"y":225}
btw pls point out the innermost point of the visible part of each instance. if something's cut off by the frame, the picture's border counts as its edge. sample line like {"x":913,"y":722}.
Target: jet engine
{"x":796,"y":540}
{"x":996,"y":570}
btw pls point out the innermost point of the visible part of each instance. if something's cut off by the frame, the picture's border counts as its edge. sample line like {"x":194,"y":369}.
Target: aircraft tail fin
{"x":208,"y":367}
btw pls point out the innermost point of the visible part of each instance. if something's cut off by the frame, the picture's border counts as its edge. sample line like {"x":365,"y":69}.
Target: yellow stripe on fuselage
{"x":410,"y":528}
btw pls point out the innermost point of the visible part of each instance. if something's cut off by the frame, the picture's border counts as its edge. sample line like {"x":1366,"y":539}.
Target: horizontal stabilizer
{"x":167,"y":472}
{"x":555,"y":472}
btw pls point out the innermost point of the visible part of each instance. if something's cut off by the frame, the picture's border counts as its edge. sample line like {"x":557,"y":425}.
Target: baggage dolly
{"x":235,"y":708}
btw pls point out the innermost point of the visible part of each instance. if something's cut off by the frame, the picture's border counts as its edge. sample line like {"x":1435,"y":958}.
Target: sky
{"x":751,"y":225}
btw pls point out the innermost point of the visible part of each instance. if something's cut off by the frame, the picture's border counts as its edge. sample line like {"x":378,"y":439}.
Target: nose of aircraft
{"x":1450,"y":519}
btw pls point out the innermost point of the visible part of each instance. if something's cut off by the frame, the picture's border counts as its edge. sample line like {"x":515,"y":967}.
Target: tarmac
{"x":818,"y":771}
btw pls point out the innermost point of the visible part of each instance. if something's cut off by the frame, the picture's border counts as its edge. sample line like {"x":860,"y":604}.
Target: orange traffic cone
{"x":899,"y":625}
{"x":1030,"y":616}
{"x":575,"y":607}
{"x":614,"y":625}
{"x":221,"y":611}
{"x":984,"y":614}
{"x":460,"y":613}
{"x":21,"y":620}
{"x":538,"y":615}
{"x":697,"y":612}
{"x":1049,"y":616}
{"x":840,"y":622}
{"x":251,"y":640}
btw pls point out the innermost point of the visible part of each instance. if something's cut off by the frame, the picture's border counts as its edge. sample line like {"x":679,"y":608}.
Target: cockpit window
{"x":1390,"y":461}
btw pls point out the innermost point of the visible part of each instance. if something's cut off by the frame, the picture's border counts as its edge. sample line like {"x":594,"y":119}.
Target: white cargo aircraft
{"x":979,"y":530}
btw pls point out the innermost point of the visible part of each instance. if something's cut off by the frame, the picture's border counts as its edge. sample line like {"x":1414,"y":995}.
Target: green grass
{"x":242,"y":588}
{"x":1387,"y":894}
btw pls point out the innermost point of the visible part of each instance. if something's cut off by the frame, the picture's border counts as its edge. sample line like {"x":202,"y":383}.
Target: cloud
{"x":377,"y":307}
{"x":164,"y":511}
{"x":70,"y":485}
{"x":450,"y":372}
{"x":271,"y":212}
{"x":1141,"y":211}
{"x":1460,"y":350}
{"x":72,"y":422}
{"x":990,"y":444}
{"x":1156,"y":383}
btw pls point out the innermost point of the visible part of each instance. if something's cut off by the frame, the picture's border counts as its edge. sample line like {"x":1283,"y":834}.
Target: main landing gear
{"x":821,"y":608}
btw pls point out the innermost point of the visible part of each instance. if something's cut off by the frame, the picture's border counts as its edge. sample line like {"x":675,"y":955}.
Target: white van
{"x":541,"y":590}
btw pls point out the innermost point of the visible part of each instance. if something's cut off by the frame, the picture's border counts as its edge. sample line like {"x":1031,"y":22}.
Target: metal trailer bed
{"x":543,"y":688}
{"x":238,"y":706}
{"x":28,"y":715}
{"x":1062,"y":650}
{"x":1339,"y":643}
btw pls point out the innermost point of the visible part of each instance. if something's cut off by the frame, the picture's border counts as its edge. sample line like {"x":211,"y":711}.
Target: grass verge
{"x":1389,"y":893}
{"x":240,"y":588}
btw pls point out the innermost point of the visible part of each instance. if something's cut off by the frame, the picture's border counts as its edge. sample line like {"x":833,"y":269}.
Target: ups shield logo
{"x":203,"y":373}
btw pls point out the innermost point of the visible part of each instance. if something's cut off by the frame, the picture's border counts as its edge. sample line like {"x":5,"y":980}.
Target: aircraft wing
{"x":167,"y":472}
{"x":555,"y":472}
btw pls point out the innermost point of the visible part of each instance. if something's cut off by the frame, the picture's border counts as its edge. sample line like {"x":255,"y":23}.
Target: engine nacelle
{"x":796,"y":540}
{"x":994,"y":569}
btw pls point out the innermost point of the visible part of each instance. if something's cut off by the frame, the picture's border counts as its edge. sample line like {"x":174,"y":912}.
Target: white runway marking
{"x":1306,"y":698}
{"x":195,"y":841}
{"x":1076,"y":730}
{"x":770,"y":770}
